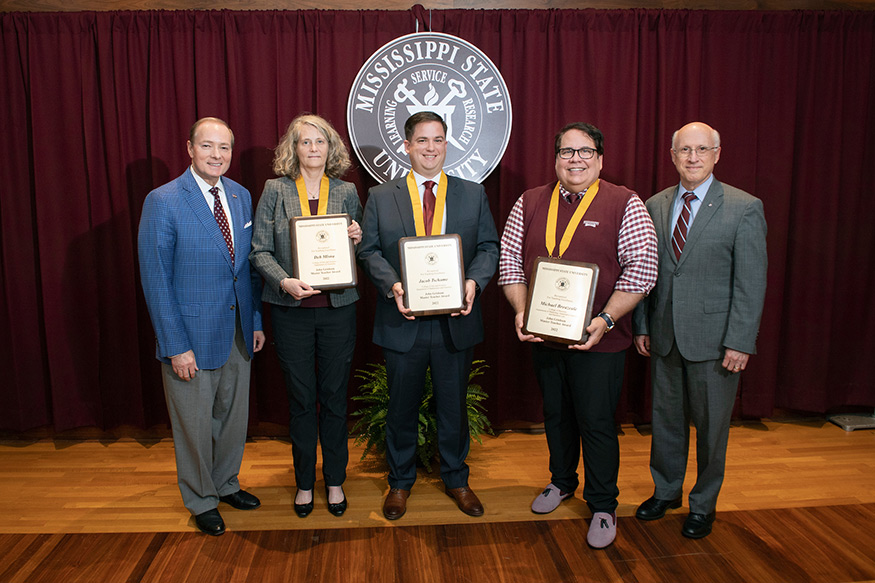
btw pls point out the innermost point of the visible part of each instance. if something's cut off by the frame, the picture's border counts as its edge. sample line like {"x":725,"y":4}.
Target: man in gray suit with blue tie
{"x":700,"y":322}
{"x":205,"y":305}
{"x":443,"y":342}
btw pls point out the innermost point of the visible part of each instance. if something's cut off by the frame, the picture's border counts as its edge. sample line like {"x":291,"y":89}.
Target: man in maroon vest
{"x":590,"y":221}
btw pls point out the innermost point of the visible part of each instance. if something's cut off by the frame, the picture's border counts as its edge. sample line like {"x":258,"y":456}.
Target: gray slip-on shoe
{"x":602,"y":530}
{"x":548,"y":500}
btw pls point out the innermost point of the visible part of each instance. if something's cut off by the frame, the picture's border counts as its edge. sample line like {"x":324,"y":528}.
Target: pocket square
{"x":247,"y":225}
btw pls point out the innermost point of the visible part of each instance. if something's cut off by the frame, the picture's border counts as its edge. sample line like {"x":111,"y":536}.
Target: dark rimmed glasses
{"x":584,"y":153}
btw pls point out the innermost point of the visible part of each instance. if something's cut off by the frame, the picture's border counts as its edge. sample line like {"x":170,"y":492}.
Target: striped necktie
{"x":680,"y":229}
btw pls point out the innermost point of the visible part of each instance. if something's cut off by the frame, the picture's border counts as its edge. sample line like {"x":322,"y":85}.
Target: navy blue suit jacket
{"x":388,"y":216}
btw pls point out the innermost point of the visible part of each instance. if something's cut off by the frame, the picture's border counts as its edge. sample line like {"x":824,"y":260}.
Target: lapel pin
{"x":234,"y":195}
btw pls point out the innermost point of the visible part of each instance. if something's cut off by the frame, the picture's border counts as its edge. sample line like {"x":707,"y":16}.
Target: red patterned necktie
{"x":680,"y":229}
{"x":428,"y":201}
{"x":222,"y":219}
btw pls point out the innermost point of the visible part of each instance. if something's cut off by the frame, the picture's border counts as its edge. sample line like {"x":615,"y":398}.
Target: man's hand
{"x":297,"y":288}
{"x":470,"y":292}
{"x":398,"y":292}
{"x":354,"y":231}
{"x":596,"y":329}
{"x":516,"y":294}
{"x":642,"y":344}
{"x":257,"y":340}
{"x":184,"y":365}
{"x":518,"y":324}
{"x":735,"y":361}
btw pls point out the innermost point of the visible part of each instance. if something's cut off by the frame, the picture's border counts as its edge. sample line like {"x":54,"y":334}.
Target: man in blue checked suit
{"x":194,"y":241}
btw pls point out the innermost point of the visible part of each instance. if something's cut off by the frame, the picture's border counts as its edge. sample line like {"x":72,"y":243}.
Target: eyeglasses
{"x":686,"y":151}
{"x":584,"y":153}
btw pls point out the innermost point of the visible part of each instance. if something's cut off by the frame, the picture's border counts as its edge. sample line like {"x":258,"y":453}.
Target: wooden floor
{"x":798,"y":505}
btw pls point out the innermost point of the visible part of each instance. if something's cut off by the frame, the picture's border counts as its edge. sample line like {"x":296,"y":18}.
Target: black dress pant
{"x":581,"y":392}
{"x":315,"y":348}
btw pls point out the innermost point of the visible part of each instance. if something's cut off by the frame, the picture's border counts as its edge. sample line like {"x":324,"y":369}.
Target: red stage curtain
{"x":95,"y":109}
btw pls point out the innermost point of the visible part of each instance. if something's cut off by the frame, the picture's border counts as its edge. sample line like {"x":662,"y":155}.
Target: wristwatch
{"x":608,"y":320}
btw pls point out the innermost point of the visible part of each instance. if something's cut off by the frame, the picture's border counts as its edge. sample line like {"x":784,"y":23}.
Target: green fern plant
{"x":370,"y":429}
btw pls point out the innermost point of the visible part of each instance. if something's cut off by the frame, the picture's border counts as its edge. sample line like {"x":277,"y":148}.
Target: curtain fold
{"x":95,"y":110}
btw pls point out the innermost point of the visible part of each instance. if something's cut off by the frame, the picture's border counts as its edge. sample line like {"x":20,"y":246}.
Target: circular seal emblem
{"x":562,"y":284}
{"x":429,"y":72}
{"x":431,"y":258}
{"x":322,"y":236}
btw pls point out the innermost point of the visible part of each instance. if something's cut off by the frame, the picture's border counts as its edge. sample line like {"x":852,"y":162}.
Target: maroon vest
{"x":595,"y":241}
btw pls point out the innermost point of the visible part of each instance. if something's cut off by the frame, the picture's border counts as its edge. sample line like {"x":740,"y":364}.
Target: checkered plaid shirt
{"x":636,"y":248}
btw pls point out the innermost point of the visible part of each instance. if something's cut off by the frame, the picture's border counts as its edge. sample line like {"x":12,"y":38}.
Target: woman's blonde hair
{"x":285,"y":161}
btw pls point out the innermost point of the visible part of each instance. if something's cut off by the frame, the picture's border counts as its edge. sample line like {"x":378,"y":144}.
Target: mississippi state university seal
{"x":429,"y":72}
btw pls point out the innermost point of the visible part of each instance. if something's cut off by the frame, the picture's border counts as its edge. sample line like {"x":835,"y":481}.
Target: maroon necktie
{"x":428,"y":201}
{"x":219,"y":212}
{"x":680,"y":229}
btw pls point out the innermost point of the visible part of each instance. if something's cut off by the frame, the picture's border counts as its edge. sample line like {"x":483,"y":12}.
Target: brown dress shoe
{"x":467,"y":500}
{"x":395,"y":504}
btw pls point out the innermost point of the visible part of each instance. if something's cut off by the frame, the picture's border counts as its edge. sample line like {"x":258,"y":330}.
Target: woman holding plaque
{"x":314,"y":329}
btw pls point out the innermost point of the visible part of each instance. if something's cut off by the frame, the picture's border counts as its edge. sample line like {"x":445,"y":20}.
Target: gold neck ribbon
{"x":437,"y":222}
{"x":571,"y":228}
{"x":305,"y":203}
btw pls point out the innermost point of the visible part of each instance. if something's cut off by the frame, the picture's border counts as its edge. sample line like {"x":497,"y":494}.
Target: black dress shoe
{"x":698,"y":525}
{"x":210,"y":522}
{"x":653,"y":508}
{"x":241,"y":500}
{"x":339,"y":508}
{"x":303,"y":510}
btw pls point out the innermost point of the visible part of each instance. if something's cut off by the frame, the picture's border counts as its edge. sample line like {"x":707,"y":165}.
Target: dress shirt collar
{"x":420,"y":179}
{"x":700,"y":191}
{"x":205,"y":187}
{"x":571,"y":197}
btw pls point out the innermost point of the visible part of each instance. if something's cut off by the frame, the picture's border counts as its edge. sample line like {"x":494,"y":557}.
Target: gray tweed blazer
{"x":271,"y":243}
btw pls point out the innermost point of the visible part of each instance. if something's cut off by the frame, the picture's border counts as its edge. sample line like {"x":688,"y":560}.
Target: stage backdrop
{"x":95,"y":109}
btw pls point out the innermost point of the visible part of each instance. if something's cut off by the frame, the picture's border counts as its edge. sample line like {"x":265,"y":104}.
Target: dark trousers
{"x":581,"y":391}
{"x":315,"y":347}
{"x":406,"y":378}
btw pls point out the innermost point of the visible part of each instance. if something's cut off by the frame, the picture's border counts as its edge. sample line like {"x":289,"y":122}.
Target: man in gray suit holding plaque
{"x":699,"y":324}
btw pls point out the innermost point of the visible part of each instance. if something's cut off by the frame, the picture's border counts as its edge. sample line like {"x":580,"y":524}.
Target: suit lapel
{"x":713,"y":200}
{"x":201,"y":209}
{"x":238,"y":218}
{"x":335,"y":205}
{"x":405,"y":210}
{"x":453,"y":207}
{"x":663,"y":220}
{"x":291,"y":201}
